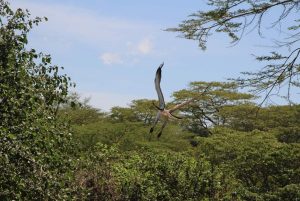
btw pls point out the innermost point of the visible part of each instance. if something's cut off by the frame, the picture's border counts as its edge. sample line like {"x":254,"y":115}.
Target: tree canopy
{"x":209,"y":108}
{"x":237,"y":17}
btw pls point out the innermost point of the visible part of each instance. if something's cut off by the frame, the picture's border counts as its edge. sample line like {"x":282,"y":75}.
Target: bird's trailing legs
{"x":152,"y":128}
{"x":163,"y":126}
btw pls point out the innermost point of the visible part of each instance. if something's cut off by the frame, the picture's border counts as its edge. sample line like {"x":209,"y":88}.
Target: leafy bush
{"x":34,"y":151}
{"x":289,"y":135}
{"x":263,"y":166}
{"x":108,"y":174}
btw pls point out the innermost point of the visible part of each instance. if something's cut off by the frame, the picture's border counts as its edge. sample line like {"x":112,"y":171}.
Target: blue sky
{"x":111,"y":49}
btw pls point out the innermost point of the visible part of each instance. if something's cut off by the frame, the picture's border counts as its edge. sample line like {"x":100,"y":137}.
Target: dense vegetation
{"x":55,"y":147}
{"x":246,"y":158}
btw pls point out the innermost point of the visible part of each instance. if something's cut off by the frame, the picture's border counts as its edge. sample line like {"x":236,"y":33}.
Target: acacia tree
{"x":234,"y":18}
{"x":212,"y":107}
{"x":33,"y":142}
{"x":143,"y":110}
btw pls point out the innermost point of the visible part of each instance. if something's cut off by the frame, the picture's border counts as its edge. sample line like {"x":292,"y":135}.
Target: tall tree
{"x":209,"y":108}
{"x":234,"y":18}
{"x":143,"y":110}
{"x":33,"y":142}
{"x":140,"y":110}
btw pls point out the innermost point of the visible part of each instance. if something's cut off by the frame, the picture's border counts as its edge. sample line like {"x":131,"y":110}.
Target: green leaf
{"x":11,"y":136}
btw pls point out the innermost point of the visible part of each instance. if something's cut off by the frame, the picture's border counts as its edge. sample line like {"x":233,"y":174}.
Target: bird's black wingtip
{"x":161,"y":65}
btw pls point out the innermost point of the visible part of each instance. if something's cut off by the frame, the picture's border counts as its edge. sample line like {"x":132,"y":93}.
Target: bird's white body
{"x":166,"y":115}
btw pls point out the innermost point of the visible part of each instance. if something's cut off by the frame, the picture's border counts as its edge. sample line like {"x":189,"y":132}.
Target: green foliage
{"x":221,"y":104}
{"x":228,"y":165}
{"x":212,"y":101}
{"x":278,"y":116}
{"x":120,"y":114}
{"x":264,"y":167}
{"x":94,"y":179}
{"x":150,"y":175}
{"x":242,"y":117}
{"x":289,"y":135}
{"x":236,"y":17}
{"x":34,"y":147}
{"x":78,"y":113}
{"x":141,"y":110}
{"x":129,"y":136}
{"x":246,"y":156}
{"x":248,"y":117}
{"x":163,"y":177}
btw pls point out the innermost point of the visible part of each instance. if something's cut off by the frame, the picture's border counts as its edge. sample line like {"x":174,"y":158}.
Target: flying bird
{"x":164,"y":114}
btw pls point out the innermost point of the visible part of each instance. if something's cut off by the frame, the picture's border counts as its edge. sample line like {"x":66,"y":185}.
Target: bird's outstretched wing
{"x":176,"y":107}
{"x":157,"y":87}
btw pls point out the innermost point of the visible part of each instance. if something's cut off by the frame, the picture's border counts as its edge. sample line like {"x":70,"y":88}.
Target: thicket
{"x":55,"y":147}
{"x":34,"y":144}
{"x":229,"y":164}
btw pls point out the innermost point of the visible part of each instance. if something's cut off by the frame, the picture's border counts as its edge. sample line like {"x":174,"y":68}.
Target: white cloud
{"x":131,"y":53}
{"x":145,"y":46}
{"x":81,"y":25}
{"x":111,"y":58}
{"x":70,"y":26}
